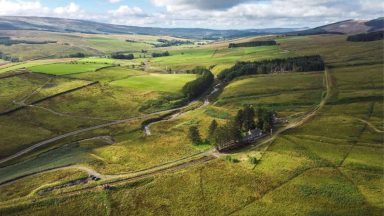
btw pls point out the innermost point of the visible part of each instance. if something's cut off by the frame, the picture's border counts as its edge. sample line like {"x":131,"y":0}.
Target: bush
{"x":253,"y":160}
{"x":232,"y":160}
{"x":122,"y":56}
{"x":194,"y":135}
{"x":77,"y":55}
{"x":155,"y":55}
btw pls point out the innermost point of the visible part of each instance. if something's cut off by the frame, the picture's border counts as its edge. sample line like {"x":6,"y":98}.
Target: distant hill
{"x":90,"y":27}
{"x":345,"y":27}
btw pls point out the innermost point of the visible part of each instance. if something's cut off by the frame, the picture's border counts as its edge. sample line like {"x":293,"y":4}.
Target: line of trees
{"x":77,"y":55}
{"x":155,"y":55}
{"x":7,"y":41}
{"x":198,"y":86}
{"x":168,"y":43}
{"x":253,"y":44}
{"x":6,"y":57}
{"x":371,"y":36}
{"x":296,"y":64}
{"x":122,"y":56}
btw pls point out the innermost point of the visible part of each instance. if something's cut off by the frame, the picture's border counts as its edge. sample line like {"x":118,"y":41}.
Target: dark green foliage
{"x":197,"y":87}
{"x":77,"y":55}
{"x":296,"y":64}
{"x":239,"y":118}
{"x":253,"y":160}
{"x":231,"y":159}
{"x":212,"y":128}
{"x":122,"y":56}
{"x":371,"y":36}
{"x":248,"y":118}
{"x":155,"y":55}
{"x":227,"y":133}
{"x":7,"y":41}
{"x":265,"y":119}
{"x":245,"y":118}
{"x":194,"y":135}
{"x":168,"y":43}
{"x":6,"y":57}
{"x":253,"y":44}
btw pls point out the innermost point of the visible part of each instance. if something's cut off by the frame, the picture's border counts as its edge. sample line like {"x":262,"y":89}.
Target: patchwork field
{"x":325,"y":156}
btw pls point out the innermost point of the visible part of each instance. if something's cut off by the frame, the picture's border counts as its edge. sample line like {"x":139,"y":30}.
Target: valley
{"x":82,"y":133}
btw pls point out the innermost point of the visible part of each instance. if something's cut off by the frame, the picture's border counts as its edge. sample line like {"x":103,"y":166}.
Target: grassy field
{"x":331,"y":164}
{"x":291,"y":93}
{"x":26,"y":64}
{"x":65,"y":69}
{"x":183,"y":59}
{"x":156,"y":82}
{"x":110,"y":74}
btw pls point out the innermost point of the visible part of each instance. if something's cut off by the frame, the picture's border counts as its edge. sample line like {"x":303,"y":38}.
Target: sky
{"x":216,"y":14}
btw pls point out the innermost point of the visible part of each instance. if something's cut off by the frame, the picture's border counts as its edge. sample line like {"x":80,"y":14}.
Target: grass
{"x":26,"y":64}
{"x":108,"y":75}
{"x":330,"y":165}
{"x":189,"y":58}
{"x":156,"y":82}
{"x":28,"y":185}
{"x":65,"y":69}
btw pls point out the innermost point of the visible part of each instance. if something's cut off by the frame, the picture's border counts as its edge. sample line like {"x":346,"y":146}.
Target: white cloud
{"x":211,"y":13}
{"x":262,"y":14}
{"x":69,"y":9}
{"x":124,"y":11}
{"x":25,"y":8}
{"x":114,"y":1}
{"x":174,"y":5}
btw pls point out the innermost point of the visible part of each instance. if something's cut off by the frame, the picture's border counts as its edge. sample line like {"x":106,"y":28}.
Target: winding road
{"x":168,"y":167}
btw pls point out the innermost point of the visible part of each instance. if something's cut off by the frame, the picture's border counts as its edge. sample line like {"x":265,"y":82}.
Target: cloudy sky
{"x":218,"y":14}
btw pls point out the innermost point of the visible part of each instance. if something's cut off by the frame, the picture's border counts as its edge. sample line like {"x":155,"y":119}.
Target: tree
{"x":212,"y":128}
{"x":249,"y":118}
{"x":198,"y":86}
{"x":194,"y":135}
{"x":234,"y":131}
{"x":221,"y":136}
{"x":297,"y":64}
{"x":239,"y":118}
{"x":260,"y":121}
{"x":265,"y":119}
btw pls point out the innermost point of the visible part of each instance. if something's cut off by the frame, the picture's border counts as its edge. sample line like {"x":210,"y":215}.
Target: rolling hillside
{"x":90,"y":27}
{"x":346,"y":27}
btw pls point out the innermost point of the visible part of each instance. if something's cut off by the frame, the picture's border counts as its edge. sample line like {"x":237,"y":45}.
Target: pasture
{"x":67,"y":68}
{"x":326,"y":158}
{"x":156,"y":82}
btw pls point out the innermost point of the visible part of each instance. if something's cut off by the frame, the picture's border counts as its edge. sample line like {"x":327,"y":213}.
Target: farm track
{"x":304,"y":119}
{"x":373,"y":127}
{"x":329,"y":87}
{"x":292,"y":125}
{"x":69,"y":134}
{"x":115,"y":180}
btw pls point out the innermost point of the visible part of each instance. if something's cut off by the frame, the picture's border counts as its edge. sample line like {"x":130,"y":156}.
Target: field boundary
{"x":47,"y":98}
{"x":13,"y":74}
